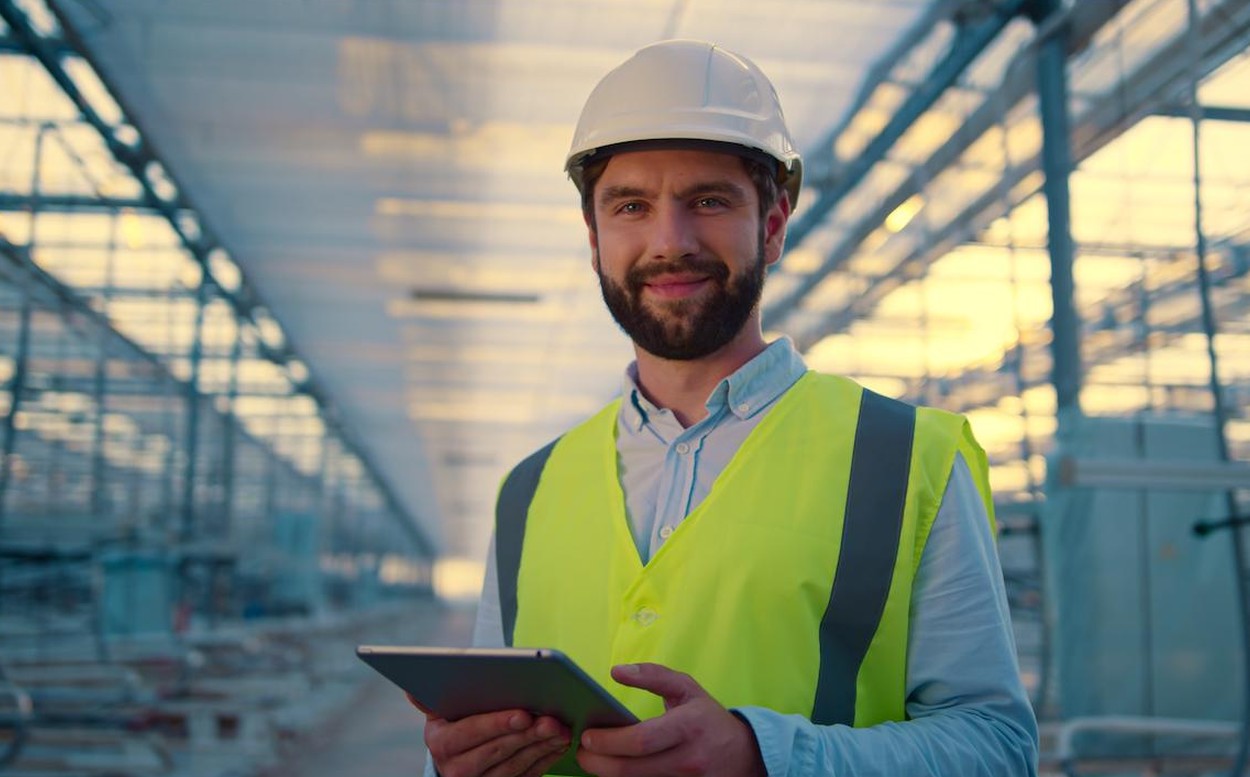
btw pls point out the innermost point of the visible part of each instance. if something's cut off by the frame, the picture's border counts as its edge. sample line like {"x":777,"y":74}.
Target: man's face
{"x":681,"y":250}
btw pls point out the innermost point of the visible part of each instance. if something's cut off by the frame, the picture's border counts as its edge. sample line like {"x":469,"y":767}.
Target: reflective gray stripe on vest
{"x":511,"y":511}
{"x":875,"y":497}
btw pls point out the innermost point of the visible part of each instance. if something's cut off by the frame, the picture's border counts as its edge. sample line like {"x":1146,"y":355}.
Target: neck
{"x":683,"y":386}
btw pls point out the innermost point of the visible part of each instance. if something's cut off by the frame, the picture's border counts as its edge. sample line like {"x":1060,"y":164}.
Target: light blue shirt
{"x":967,"y":709}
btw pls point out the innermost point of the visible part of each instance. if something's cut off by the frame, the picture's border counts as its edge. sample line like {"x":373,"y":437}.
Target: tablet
{"x":458,"y":682}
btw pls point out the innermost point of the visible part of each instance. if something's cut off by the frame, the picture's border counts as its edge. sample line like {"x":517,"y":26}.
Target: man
{"x":778,"y":572}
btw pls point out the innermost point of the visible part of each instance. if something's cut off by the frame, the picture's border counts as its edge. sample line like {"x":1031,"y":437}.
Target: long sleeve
{"x":967,"y":709}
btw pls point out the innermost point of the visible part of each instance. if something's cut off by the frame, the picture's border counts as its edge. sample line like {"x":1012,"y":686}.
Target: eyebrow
{"x":620,"y":192}
{"x":624,"y":192}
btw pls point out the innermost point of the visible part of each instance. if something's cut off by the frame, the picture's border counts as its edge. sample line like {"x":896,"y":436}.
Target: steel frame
{"x":139,"y":158}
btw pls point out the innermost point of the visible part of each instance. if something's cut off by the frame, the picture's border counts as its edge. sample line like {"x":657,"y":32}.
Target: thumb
{"x":675,"y":688}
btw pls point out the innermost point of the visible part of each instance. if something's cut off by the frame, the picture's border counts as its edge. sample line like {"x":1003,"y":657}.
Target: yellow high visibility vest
{"x":752,"y":594}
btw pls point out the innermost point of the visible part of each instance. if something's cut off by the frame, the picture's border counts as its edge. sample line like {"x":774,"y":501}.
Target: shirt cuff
{"x":784,"y":751}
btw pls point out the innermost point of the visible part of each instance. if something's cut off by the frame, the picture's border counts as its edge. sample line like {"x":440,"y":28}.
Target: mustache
{"x":638,"y":275}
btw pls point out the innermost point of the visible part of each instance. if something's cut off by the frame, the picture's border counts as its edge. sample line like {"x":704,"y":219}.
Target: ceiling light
{"x":225,"y":272}
{"x":158,"y":178}
{"x":132,"y":230}
{"x":903,"y":214}
{"x":467,"y":295}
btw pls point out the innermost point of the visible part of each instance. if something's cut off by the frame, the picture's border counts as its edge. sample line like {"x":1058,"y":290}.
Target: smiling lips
{"x":676,"y":286}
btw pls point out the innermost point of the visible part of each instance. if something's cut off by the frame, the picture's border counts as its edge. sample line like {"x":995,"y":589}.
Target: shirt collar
{"x":635,"y":408}
{"x":757,"y":384}
{"x":752,"y":387}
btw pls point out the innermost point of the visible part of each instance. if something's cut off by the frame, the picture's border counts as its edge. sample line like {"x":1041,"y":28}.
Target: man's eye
{"x":630,"y":207}
{"x":709,"y":202}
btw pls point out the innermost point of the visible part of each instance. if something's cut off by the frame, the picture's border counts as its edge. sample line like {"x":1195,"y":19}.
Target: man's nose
{"x":673,"y":236}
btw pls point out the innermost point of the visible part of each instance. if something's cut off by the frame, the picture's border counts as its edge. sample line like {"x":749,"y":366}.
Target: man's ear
{"x":775,"y":228}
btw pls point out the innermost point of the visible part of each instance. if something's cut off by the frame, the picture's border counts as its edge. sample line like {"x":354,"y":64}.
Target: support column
{"x":1052,"y":93}
{"x":17,"y":383}
{"x":187,"y":527}
{"x":17,"y":386}
{"x":100,"y":503}
{"x":230,"y":422}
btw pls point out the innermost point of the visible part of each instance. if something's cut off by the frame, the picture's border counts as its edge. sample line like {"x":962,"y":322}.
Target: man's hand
{"x":695,"y":736}
{"x":510,"y":743}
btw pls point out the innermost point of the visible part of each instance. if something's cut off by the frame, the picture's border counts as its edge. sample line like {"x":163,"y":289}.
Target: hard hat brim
{"x":788,"y":178}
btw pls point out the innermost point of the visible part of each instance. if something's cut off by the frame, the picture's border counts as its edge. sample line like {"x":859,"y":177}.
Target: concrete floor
{"x":378,"y":733}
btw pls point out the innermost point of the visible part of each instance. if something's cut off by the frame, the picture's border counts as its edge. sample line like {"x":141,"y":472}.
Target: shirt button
{"x":666,"y":532}
{"x":683,"y":448}
{"x":744,"y":407}
{"x":645,"y":616}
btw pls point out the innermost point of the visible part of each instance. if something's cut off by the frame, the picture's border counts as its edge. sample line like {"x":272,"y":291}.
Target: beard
{"x":688,"y":328}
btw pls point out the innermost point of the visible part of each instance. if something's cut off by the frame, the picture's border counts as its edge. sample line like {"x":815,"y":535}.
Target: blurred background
{"x":287,"y":286}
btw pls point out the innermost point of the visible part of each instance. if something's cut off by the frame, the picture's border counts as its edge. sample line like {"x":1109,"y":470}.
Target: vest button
{"x":645,"y":616}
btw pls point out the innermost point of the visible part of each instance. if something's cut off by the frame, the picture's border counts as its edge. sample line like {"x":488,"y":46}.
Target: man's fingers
{"x":447,"y":738}
{"x":675,"y":687}
{"x":691,"y":740}
{"x":646,"y":738}
{"x":544,"y":765}
{"x":492,"y":745}
{"x":532,"y":759}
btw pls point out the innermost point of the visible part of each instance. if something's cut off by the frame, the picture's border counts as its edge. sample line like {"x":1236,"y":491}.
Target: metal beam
{"x":16,"y":389}
{"x":983,"y":386}
{"x":79,"y":315}
{"x":820,"y":165}
{"x":1084,"y":21}
{"x":10,"y":44}
{"x":76,"y":306}
{"x":60,"y":203}
{"x":969,"y":222}
{"x":136,"y":292}
{"x":187,"y":526}
{"x":1052,"y":95}
{"x":972,"y":37}
{"x":1206,"y":113}
{"x":138,"y":158}
{"x":1101,"y":123}
{"x":1153,"y":474}
{"x":228,"y":462}
{"x":99,"y":467}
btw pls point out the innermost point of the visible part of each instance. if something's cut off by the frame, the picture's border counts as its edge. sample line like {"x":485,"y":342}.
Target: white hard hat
{"x":686,"y":90}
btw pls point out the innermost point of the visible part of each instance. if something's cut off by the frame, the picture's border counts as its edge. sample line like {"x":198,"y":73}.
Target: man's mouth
{"x":676,"y":286}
